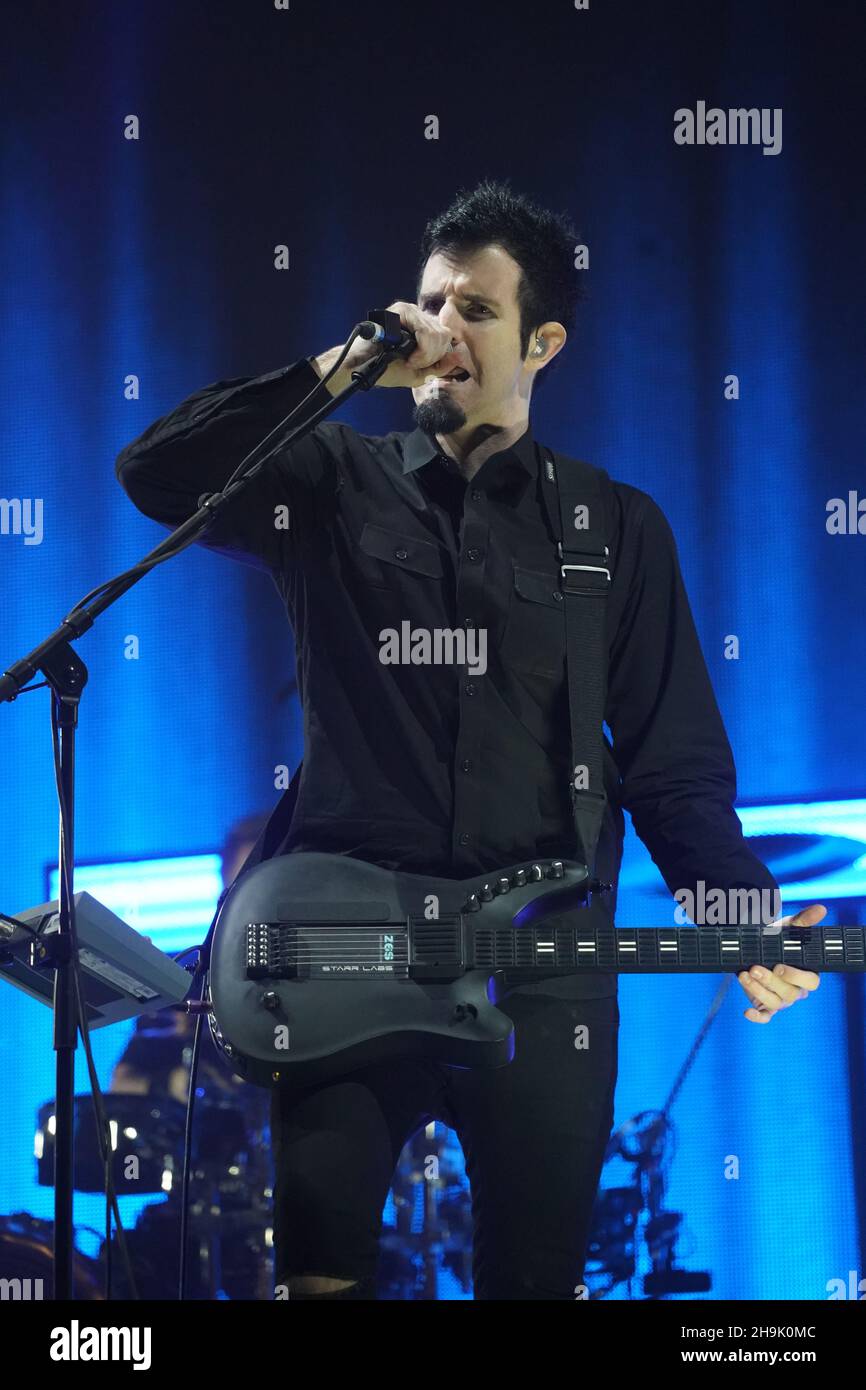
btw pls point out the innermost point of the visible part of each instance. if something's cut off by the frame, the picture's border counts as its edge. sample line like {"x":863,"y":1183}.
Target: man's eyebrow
{"x":466,"y":294}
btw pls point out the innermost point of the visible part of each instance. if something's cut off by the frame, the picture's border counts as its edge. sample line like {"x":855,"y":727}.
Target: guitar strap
{"x":580,"y":523}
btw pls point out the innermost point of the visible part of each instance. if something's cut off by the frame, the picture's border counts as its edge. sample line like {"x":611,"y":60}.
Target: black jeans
{"x":533,"y":1134}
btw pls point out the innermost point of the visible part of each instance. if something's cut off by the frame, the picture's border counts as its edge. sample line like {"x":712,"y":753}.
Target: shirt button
{"x":470,"y":688}
{"x":466,"y":765}
{"x":477,"y":494}
{"x":401,"y":554}
{"x":474,"y":553}
{"x":557,"y":595}
{"x":464,"y":838}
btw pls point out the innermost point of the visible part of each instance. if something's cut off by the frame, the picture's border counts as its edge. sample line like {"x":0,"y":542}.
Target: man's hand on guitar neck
{"x":783,"y":985}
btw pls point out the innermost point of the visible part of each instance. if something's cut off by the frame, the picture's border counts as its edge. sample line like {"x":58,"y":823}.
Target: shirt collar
{"x":419,"y":448}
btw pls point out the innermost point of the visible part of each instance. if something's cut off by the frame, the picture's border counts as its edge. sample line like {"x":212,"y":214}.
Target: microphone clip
{"x":383,"y":326}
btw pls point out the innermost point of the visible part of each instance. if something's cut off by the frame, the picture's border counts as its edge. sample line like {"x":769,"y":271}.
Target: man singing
{"x":435,"y":769}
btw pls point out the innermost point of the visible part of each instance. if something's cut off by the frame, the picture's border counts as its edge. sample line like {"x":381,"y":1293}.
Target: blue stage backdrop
{"x":135,"y":271}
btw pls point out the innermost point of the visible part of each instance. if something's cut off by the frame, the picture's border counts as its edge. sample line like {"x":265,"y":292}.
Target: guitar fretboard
{"x":659,"y":950}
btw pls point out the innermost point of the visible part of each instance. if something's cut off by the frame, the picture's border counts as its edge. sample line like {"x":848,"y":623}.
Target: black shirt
{"x":427,"y":767}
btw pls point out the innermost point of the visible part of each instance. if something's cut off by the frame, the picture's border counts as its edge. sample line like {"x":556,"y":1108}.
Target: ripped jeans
{"x":533,"y":1134}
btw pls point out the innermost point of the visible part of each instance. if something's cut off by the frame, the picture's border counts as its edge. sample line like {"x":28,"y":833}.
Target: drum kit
{"x":229,"y":1230}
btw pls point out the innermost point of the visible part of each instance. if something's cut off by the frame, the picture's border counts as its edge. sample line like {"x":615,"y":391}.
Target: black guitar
{"x":322,"y":963}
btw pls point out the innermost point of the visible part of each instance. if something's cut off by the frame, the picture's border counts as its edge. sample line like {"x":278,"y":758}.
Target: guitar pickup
{"x":436,"y":949}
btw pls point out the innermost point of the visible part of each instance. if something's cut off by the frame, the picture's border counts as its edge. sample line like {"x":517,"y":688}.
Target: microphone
{"x":383,"y":326}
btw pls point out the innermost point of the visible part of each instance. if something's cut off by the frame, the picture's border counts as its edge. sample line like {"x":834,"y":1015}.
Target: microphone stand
{"x":67,"y":675}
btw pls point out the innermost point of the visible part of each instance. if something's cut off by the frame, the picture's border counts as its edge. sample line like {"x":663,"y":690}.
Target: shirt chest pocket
{"x":385,"y":552}
{"x":401,"y":578}
{"x":534,"y":638}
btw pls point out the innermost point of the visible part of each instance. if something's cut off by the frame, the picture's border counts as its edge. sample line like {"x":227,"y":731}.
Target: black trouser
{"x":533,"y":1135}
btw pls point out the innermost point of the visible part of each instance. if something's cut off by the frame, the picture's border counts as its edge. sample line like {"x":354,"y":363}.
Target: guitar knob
{"x":520,"y":878}
{"x":472,"y":903}
{"x":486,"y":893}
{"x":536,"y":873}
{"x":503,"y":885}
{"x":270,"y":999}
{"x":463,"y":1012}
{"x":556,"y":869}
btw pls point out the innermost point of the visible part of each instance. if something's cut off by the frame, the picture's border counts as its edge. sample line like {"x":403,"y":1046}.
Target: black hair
{"x":541,"y":242}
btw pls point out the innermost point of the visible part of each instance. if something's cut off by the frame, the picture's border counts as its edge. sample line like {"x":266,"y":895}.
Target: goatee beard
{"x":440,"y":415}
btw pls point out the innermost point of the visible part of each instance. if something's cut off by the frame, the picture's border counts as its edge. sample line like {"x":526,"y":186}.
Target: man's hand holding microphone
{"x":436,"y":353}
